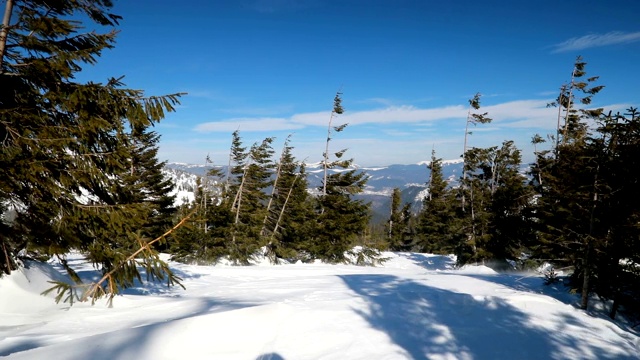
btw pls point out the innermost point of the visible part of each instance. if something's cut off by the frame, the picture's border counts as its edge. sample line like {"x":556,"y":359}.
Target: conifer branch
{"x":96,"y":290}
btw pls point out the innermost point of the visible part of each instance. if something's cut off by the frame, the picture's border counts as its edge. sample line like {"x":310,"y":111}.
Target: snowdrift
{"x":415,"y":306}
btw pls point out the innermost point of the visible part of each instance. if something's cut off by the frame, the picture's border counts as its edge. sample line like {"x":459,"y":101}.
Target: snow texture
{"x":416,"y":306}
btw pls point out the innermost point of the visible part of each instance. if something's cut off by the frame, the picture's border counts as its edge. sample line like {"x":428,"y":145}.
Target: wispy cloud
{"x":248,"y":124}
{"x":522,"y":113}
{"x":596,"y":40}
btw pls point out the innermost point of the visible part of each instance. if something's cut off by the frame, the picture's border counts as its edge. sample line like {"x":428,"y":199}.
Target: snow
{"x":415,"y":306}
{"x":443,"y":162}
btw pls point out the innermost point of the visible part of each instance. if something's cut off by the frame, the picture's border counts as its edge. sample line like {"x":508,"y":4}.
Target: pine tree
{"x":152,"y":185}
{"x":292,"y":212}
{"x":571,"y":191}
{"x":473,"y":118}
{"x":340,"y":217}
{"x":437,"y":216}
{"x":398,"y":224}
{"x":615,"y":214}
{"x":67,"y":144}
{"x":196,"y":243}
{"x":497,"y":227}
{"x":250,"y":203}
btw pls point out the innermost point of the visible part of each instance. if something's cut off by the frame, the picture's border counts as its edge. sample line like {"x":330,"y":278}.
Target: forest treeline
{"x":79,"y":171}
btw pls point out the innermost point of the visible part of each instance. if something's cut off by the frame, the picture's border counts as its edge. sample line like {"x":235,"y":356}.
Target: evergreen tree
{"x":293,"y":210}
{"x":205,"y":239}
{"x":437,"y":216}
{"x":473,"y":118}
{"x":497,"y":227}
{"x":152,"y":185}
{"x":618,"y":254}
{"x":340,"y":217}
{"x":66,"y":145}
{"x":250,"y":203}
{"x":571,"y":190}
{"x":398,"y":223}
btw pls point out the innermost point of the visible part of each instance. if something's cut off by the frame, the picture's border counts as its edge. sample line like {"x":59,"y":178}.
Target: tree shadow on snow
{"x":527,"y":282}
{"x":125,"y":343}
{"x":270,"y":356}
{"x":430,"y":322}
{"x":21,"y":345}
{"x":430,"y":262}
{"x":530,"y":282}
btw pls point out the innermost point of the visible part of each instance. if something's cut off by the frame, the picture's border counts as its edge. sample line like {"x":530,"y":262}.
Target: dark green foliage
{"x":291,"y":215}
{"x":340,"y":218}
{"x":250,"y":201}
{"x":496,"y":223}
{"x":437,"y":218}
{"x":398,"y":231}
{"x":69,"y":148}
{"x":204,"y":240}
{"x":587,"y":212}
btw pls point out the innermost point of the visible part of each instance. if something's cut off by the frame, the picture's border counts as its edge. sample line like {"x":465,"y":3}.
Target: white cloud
{"x":411,"y":141}
{"x":532,"y":111}
{"x":596,"y":40}
{"x":248,"y":124}
{"x":523,"y":114}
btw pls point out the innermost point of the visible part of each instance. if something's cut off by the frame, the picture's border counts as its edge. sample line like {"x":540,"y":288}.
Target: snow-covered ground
{"x":416,"y":306}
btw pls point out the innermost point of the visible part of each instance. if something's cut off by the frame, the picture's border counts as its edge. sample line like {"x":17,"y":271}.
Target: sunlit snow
{"x":416,"y":306}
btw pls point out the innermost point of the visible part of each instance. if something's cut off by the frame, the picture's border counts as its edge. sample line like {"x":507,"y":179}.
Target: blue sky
{"x":406,"y":70}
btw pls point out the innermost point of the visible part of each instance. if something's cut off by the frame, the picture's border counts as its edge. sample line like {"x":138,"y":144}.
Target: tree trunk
{"x":8,"y":263}
{"x":273,"y":191}
{"x":326,"y":156}
{"x":584,"y":300}
{"x":4,"y":31}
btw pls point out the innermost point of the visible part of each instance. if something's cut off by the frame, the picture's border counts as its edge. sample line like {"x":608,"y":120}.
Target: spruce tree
{"x":473,"y":118}
{"x":398,"y":223}
{"x":66,"y":145}
{"x":206,"y":238}
{"x":572,"y":190}
{"x":497,"y":226}
{"x":292,"y":213}
{"x":250,"y":202}
{"x":437,"y":217}
{"x":341,"y":218}
{"x":617,"y":257}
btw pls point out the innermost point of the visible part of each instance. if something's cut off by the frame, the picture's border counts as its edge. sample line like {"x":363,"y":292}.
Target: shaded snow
{"x":416,"y":306}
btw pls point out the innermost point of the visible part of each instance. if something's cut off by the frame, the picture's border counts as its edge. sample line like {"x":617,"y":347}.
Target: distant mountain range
{"x":410,"y":179}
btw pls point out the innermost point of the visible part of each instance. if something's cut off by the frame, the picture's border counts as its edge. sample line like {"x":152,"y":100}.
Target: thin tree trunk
{"x":8,"y":263}
{"x":586,"y":263}
{"x":615,"y":306}
{"x":273,"y":191}
{"x":4,"y":31}
{"x":464,"y":159}
{"x":238,"y":199}
{"x":284,"y":206}
{"x":584,"y":300}
{"x":566,"y":115}
{"x":326,"y":156}
{"x":562,"y":90}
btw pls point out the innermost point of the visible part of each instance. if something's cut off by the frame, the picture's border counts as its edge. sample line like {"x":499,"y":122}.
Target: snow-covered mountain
{"x":411,"y":179}
{"x":382,"y":179}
